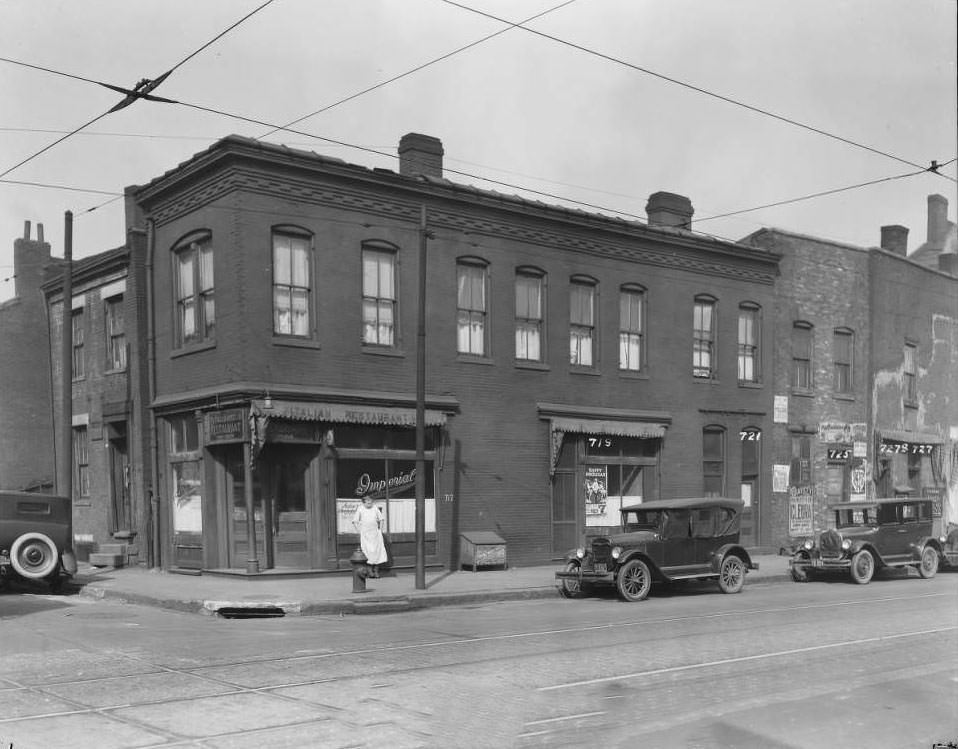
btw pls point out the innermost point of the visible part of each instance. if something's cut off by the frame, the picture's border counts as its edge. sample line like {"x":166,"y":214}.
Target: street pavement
{"x":325,"y":594}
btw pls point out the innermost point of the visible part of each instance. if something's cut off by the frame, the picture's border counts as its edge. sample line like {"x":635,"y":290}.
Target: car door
{"x":679,"y":546}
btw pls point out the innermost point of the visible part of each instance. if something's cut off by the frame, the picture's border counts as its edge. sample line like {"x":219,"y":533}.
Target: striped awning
{"x":897,"y":435}
{"x":640,"y":429}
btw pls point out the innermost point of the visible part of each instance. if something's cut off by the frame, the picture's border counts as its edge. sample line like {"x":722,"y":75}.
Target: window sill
{"x":115,"y":371}
{"x":706,"y":380}
{"x":192,"y":349}
{"x":850,"y":397}
{"x":750,"y":385}
{"x":588,"y":371}
{"x":534,"y":365}
{"x":295,"y":342}
{"x":802,"y":393}
{"x":473,"y":359}
{"x":383,"y":351}
{"x":630,"y":374}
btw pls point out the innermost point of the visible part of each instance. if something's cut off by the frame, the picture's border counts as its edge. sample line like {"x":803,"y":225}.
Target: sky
{"x":736,"y":104}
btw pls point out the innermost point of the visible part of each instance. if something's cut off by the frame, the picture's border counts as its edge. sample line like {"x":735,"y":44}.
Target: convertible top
{"x":687,"y":503}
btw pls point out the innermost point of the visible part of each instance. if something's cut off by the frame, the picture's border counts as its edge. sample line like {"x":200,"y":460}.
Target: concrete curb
{"x":346,"y":606}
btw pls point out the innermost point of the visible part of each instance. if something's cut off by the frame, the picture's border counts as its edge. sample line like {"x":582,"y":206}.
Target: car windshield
{"x":848,"y":517}
{"x":641,"y":520}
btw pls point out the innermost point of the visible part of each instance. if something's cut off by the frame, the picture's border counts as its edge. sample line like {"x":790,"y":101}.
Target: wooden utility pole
{"x":421,"y":412}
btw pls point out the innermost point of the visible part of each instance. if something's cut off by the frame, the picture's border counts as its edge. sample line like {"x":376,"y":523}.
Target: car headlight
{"x":580,"y":553}
{"x":846,"y":544}
{"x":616,"y":552}
{"x":942,"y":539}
{"x":808,"y":544}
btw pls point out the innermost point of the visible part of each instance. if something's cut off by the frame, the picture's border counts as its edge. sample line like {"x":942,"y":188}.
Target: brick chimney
{"x":937,"y":221}
{"x":894,"y":238}
{"x":30,"y":260}
{"x":420,"y":154}
{"x":948,"y":263}
{"x":669,"y":209}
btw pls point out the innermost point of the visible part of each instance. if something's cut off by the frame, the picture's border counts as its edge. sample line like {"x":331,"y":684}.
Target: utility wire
{"x":415,"y":69}
{"x":59,"y":187}
{"x":684,"y":84}
{"x":140,"y":91}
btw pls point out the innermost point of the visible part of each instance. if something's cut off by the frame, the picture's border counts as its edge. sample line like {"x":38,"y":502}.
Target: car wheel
{"x":929,"y":562}
{"x":570,"y":588}
{"x":863,"y":567}
{"x":34,"y":556}
{"x":634,"y":581}
{"x":732,"y":574}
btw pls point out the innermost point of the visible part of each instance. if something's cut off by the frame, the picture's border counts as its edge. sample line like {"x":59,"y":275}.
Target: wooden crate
{"x":482,"y":549}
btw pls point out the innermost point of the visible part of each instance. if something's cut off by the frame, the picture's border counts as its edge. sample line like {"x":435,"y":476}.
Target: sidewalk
{"x":332,"y":594}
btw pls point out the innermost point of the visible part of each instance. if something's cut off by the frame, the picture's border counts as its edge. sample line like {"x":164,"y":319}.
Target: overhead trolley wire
{"x":416,"y":69}
{"x":691,"y":86}
{"x":140,"y":91}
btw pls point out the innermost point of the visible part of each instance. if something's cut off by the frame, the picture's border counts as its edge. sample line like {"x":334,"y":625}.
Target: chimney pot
{"x":26,"y":230}
{"x":39,"y":232}
{"x":420,"y":155}
{"x":894,"y":238}
{"x":669,"y":209}
{"x":937,"y":220}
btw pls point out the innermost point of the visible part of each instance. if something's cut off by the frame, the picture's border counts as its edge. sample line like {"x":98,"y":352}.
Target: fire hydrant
{"x":360,"y":571}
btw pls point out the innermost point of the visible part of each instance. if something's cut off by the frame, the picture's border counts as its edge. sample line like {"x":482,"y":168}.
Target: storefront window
{"x":188,"y":497}
{"x":392,"y":485}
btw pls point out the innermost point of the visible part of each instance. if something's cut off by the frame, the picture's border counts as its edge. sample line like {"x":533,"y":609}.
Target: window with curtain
{"x":842,"y":349}
{"x":292,"y":276}
{"x":471,"y":282}
{"x":195,"y":302}
{"x":529,"y":316}
{"x":582,"y":323}
{"x":115,"y":334}
{"x":379,"y":297}
{"x":802,"y":355}
{"x":631,"y":324}
{"x":749,"y":329}
{"x":713,"y":461}
{"x":77,"y":327}
{"x":703,"y":338}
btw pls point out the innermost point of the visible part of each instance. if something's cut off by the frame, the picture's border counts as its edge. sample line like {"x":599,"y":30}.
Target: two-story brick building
{"x":575,"y":362}
{"x":864,"y":373}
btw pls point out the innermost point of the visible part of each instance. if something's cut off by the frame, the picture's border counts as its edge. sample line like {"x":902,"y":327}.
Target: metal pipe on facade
{"x":65,"y":479}
{"x":421,"y":412}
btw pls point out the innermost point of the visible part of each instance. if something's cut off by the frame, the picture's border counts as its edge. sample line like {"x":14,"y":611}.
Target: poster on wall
{"x":780,"y":477}
{"x":800,"y":511}
{"x":597,"y":495}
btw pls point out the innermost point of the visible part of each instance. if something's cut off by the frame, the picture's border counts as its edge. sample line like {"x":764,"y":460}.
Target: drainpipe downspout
{"x":155,"y":556}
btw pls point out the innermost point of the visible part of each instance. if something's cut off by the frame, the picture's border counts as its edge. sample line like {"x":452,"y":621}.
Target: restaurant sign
{"x":227,"y":425}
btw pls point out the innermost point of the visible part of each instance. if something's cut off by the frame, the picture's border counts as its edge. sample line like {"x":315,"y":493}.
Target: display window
{"x":391,"y":483}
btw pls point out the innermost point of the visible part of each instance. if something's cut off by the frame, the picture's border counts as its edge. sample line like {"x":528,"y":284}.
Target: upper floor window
{"x":471,"y":282}
{"x":842,"y":350}
{"x":115,"y":334}
{"x":195,"y":309}
{"x":379,"y":297}
{"x":713,"y":461}
{"x":291,"y":284}
{"x":802,"y":355}
{"x":631,"y":328}
{"x":703,"y":337}
{"x":529,"y":315}
{"x":582,"y":339}
{"x":749,"y":336}
{"x":184,"y":434}
{"x":77,"y":326}
{"x":911,"y":373}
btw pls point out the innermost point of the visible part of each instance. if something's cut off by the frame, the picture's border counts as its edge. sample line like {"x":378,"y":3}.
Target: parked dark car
{"x":869,"y":536}
{"x":949,"y":548}
{"x":663,"y":541}
{"x":36,"y":538}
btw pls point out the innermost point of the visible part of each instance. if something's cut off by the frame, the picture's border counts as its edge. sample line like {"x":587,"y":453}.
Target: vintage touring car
{"x":663,"y":541}
{"x":36,"y":538}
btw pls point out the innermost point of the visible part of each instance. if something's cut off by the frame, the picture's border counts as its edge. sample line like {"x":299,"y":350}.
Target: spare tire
{"x":34,"y":556}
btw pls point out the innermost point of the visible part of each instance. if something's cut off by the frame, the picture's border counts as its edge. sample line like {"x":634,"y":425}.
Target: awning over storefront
{"x":613,"y":422}
{"x":897,"y":435}
{"x":343,"y":414}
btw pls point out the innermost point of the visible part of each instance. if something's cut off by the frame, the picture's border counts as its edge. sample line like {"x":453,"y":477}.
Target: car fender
{"x":919,"y":546}
{"x":68,"y":562}
{"x":718,"y":556}
{"x":636,"y":554}
{"x":858,"y":546}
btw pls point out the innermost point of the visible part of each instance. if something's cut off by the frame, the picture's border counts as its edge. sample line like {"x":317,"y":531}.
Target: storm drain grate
{"x":250,"y":612}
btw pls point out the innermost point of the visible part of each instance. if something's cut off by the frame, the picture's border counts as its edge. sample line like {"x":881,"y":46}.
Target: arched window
{"x":802,"y":355}
{"x":704,"y":355}
{"x":380,"y":318}
{"x":530,"y":314}
{"x":292,"y":281}
{"x":631,"y":328}
{"x":583,"y":343}
{"x":193,"y":289}
{"x":749,"y":342}
{"x":843,"y":348}
{"x":472,"y":299}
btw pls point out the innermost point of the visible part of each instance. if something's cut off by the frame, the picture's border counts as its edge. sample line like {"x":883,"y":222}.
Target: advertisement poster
{"x":780,"y":477}
{"x":781,"y":409}
{"x":596,"y":495}
{"x":800,"y":511}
